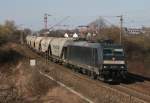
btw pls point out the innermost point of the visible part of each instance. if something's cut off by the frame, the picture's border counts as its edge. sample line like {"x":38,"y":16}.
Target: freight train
{"x":104,"y":61}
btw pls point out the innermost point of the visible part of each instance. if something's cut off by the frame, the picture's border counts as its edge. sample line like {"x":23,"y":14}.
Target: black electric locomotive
{"x":99,"y":60}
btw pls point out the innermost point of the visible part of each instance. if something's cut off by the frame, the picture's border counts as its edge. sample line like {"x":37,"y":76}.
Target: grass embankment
{"x":20,"y":83}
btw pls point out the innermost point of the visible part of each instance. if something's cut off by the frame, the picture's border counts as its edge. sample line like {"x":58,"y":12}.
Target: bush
{"x":9,"y":32}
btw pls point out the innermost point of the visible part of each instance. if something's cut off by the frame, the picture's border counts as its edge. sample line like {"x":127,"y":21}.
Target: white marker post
{"x":32,"y":62}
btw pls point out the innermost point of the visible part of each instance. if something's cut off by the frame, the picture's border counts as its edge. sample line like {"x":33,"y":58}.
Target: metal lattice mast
{"x":46,"y":20}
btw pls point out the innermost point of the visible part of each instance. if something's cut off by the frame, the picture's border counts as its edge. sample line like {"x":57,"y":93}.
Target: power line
{"x":64,"y":19}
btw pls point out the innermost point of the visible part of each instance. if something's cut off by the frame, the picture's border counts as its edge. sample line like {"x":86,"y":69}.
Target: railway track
{"x":140,"y":80}
{"x":132,"y":92}
{"x":123,"y":88}
{"x":138,"y":83}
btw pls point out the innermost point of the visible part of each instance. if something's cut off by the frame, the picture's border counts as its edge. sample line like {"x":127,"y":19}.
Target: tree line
{"x":10,"y":32}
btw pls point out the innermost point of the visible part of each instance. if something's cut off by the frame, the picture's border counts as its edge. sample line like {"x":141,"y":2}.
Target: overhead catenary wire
{"x":58,"y":23}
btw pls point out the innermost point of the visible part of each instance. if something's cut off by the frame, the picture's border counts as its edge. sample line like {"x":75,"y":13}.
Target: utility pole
{"x":121,"y":27}
{"x":20,"y":28}
{"x":21,"y":38}
{"x":46,"y":20}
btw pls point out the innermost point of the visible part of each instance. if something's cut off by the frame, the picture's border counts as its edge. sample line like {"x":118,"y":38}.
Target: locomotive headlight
{"x":105,"y":67}
{"x":122,"y":67}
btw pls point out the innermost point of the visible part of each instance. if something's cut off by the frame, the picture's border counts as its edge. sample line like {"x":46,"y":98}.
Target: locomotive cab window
{"x":118,"y":52}
{"x":111,"y":51}
{"x":107,"y":52}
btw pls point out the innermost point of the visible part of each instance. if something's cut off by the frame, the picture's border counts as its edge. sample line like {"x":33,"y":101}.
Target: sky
{"x":29,"y":13}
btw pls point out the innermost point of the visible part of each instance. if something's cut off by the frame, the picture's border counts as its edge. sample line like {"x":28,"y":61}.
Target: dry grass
{"x":28,"y":85}
{"x":138,"y":54}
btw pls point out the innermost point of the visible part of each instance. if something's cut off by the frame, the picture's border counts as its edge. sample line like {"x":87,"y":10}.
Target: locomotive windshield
{"x":113,"y":52}
{"x":118,"y":52}
{"x":107,"y":52}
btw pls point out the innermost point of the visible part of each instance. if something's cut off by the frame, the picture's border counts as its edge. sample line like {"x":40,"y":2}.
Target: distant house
{"x":134,"y":31}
